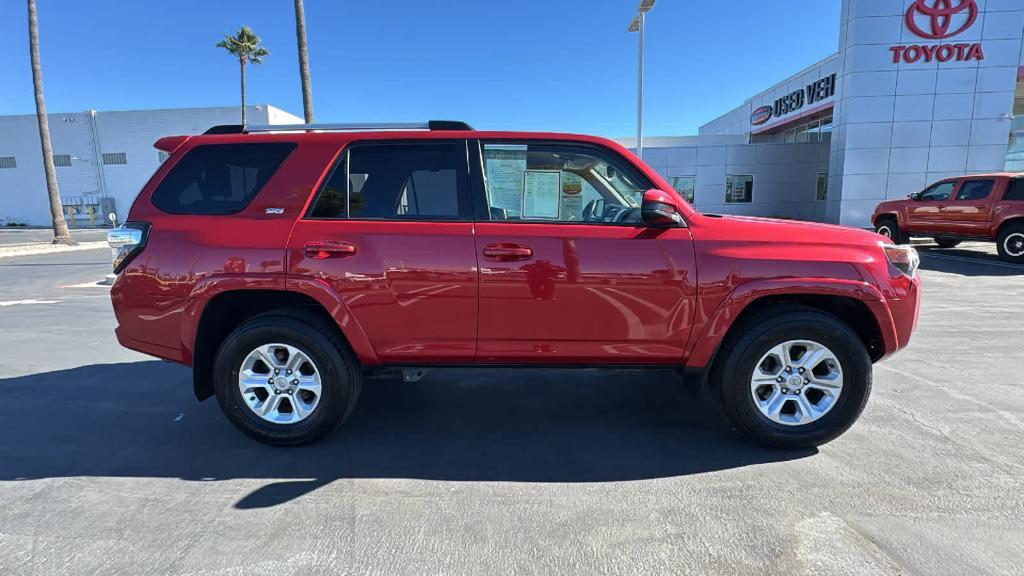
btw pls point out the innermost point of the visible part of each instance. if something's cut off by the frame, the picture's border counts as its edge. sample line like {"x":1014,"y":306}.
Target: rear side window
{"x":975,"y":190}
{"x":219,"y":178}
{"x":397,"y":182}
{"x":1015,"y":190}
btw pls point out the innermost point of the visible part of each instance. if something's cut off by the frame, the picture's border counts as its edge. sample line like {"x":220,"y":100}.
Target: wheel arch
{"x":859,"y":305}
{"x":224,"y":311}
{"x":1008,"y":222}
{"x":882,"y":215}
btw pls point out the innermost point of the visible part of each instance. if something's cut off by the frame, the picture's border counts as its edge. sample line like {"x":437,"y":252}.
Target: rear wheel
{"x":947,"y":242}
{"x":888,"y":227}
{"x":1010,"y":243}
{"x":793,"y":377}
{"x":285,"y":379}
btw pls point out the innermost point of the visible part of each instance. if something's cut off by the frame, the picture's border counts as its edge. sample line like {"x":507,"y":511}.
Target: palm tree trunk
{"x":300,"y":34}
{"x":61,"y":233}
{"x":241,"y":61}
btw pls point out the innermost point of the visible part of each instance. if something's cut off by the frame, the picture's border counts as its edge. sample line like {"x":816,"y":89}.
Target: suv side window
{"x":1015,"y":190}
{"x":939,"y":192}
{"x":397,"y":181}
{"x":975,"y":189}
{"x":219,"y":178}
{"x":560,"y":182}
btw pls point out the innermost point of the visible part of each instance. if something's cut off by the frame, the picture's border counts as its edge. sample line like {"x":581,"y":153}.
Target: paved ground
{"x":108,"y":465}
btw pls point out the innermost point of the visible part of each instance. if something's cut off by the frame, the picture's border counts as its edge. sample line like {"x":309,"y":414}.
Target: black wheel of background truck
{"x":792,"y":377}
{"x":947,"y":242}
{"x":1010,"y":243}
{"x":888,"y":227}
{"x":286,"y":378}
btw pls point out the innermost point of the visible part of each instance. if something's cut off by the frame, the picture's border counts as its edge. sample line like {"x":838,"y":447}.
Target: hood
{"x":776,"y":230}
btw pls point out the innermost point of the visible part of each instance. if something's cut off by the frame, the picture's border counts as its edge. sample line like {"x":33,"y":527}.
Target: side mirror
{"x":659,"y":210}
{"x":915,"y":196}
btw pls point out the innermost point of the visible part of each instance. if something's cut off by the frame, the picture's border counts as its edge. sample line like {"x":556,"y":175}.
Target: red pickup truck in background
{"x":987,"y":207}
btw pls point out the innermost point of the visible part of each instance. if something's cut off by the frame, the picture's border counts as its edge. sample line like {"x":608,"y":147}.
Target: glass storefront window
{"x":684,"y":186}
{"x":1015,"y":146}
{"x":739,"y":188}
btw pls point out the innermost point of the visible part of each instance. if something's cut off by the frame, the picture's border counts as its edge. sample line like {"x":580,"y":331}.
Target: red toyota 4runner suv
{"x":986,"y":207}
{"x":284,"y":263}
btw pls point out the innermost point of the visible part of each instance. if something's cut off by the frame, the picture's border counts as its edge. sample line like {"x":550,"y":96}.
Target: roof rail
{"x":349,"y":127}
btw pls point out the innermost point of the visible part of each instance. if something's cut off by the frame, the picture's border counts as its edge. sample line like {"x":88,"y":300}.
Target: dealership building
{"x":918,"y":90}
{"x":102,"y":158}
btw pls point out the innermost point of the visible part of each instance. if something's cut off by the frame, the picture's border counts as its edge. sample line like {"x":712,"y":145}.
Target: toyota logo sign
{"x":938,"y":20}
{"x":938,"y":16}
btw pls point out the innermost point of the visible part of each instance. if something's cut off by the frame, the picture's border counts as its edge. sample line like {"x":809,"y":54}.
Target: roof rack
{"x":349,"y":127}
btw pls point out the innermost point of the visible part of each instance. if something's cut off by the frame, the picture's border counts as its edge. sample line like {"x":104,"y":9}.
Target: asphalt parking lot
{"x":108,"y":465}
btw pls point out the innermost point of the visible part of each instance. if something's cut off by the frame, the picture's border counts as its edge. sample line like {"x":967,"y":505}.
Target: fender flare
{"x":702,"y":349}
{"x":214,"y":285}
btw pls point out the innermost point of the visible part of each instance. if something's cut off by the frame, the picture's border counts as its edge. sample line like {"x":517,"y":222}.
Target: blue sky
{"x":560,"y":65}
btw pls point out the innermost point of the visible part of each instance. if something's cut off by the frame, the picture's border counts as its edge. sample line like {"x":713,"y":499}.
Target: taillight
{"x":903,"y":258}
{"x":127,"y":241}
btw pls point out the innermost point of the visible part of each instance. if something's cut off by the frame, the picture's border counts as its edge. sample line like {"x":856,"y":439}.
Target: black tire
{"x":340,"y":375}
{"x":746,"y":345}
{"x":1010,"y":243}
{"x":888,"y":227}
{"x":947,"y":242}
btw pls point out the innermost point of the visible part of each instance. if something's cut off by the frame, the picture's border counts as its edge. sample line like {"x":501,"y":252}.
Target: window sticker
{"x":572,"y":197}
{"x":541,"y":190}
{"x":505,"y":165}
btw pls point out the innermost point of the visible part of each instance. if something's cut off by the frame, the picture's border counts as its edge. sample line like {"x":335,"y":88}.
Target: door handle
{"x":941,"y":206}
{"x":507,"y":252}
{"x":328,"y":249}
{"x":979,"y":206}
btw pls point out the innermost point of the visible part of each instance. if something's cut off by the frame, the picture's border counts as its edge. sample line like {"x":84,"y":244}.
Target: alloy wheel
{"x":279,"y":383}
{"x":796,"y":382}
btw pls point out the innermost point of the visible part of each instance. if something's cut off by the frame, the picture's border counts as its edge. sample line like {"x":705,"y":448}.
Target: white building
{"x":103,"y":158}
{"x":919,"y":90}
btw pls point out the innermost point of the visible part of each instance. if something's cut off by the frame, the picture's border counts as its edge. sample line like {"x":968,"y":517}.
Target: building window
{"x":821,"y":191}
{"x":162,"y":156}
{"x":684,"y":186}
{"x":62,"y":160}
{"x":1015,"y":146}
{"x":739,"y":188}
{"x":817,"y":130}
{"x":115,"y":158}
{"x":8,"y":162}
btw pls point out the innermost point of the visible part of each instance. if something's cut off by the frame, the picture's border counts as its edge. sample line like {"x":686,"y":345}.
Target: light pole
{"x":637,"y":25}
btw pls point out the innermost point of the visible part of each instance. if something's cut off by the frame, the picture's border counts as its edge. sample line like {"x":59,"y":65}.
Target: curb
{"x":33,"y":249}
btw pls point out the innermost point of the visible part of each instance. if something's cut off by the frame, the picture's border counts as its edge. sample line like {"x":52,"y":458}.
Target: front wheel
{"x":793,"y":377}
{"x":1010,"y":243}
{"x":285,"y":378}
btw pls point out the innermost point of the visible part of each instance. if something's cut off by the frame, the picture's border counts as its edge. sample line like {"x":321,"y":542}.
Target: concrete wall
{"x":86,"y":136}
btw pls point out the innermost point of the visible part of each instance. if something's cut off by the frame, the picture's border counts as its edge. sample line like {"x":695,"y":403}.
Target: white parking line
{"x":973,"y":260}
{"x":31,"y":301}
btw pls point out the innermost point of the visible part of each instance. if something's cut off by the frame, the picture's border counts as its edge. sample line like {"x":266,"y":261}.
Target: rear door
{"x":970,"y":211}
{"x":568,"y":272}
{"x":925,"y":214}
{"x":391,"y":232}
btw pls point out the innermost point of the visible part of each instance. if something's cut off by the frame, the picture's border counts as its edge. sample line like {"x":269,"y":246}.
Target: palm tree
{"x":300,"y":34}
{"x":245,"y":45}
{"x":61,"y":233}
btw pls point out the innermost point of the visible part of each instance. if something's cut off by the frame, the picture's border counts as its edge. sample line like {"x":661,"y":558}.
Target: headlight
{"x":903,"y":258}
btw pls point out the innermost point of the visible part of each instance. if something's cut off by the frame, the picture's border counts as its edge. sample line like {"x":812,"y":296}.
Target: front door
{"x":568,"y":273}
{"x":391,"y":232}
{"x":925,"y":214}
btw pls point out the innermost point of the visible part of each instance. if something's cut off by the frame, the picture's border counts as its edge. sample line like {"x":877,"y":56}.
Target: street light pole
{"x":637,"y":25}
